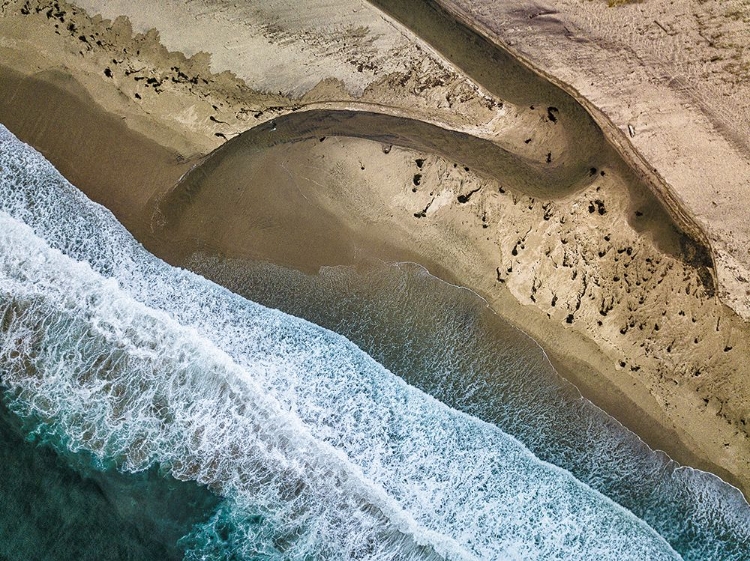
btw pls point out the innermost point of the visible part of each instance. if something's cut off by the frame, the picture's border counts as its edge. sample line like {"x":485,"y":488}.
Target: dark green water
{"x":59,"y":507}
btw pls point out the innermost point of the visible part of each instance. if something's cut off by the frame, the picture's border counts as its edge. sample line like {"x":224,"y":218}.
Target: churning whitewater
{"x":316,"y":449}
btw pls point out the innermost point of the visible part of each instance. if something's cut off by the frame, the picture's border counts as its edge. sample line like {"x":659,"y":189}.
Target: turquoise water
{"x":58,"y":507}
{"x":285,"y":440}
{"x":446,"y":341}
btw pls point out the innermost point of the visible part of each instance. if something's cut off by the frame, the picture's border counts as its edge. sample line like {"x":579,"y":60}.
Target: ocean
{"x":148,"y":413}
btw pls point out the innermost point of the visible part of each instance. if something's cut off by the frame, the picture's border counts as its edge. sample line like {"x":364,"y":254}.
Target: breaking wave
{"x":317,"y":450}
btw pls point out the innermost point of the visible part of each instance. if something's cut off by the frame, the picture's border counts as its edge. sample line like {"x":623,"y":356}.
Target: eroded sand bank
{"x":598,"y":274}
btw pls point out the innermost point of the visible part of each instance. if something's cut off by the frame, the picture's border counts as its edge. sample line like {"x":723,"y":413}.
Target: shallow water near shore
{"x":122,"y":363}
{"x":446,"y":341}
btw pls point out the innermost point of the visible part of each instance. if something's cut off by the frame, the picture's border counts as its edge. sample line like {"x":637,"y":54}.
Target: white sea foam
{"x":319,"y":450}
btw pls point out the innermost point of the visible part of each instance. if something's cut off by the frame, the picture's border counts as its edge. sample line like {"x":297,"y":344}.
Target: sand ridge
{"x":674,"y":79}
{"x":627,"y":320}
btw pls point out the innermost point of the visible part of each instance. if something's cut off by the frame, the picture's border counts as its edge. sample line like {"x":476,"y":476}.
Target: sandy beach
{"x":628,"y":275}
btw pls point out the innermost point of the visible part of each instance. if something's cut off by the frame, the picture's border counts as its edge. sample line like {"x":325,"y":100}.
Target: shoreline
{"x":631,"y":404}
{"x":597,"y":376}
{"x":599,"y":390}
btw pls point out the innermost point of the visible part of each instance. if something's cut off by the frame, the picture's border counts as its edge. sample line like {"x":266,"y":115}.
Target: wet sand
{"x":116,"y":167}
{"x":346,"y":199}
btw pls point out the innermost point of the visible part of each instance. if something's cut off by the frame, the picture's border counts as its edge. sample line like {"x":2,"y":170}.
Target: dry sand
{"x":597,"y":273}
{"x":674,"y":78}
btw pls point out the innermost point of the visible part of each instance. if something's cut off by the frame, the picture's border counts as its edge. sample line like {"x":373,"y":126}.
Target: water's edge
{"x":70,"y":311}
